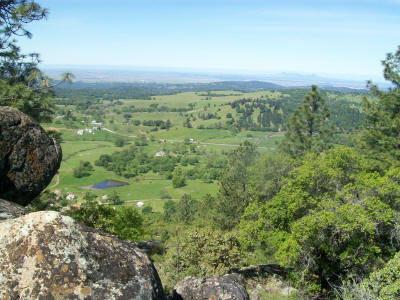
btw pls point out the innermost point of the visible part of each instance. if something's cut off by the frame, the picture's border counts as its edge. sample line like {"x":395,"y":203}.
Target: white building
{"x":160,"y":154}
{"x":139,"y":204}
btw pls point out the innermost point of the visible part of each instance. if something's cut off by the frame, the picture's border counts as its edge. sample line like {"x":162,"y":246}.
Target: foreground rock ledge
{"x":225,"y":287}
{"x":45,"y":255}
{"x":29,"y":158}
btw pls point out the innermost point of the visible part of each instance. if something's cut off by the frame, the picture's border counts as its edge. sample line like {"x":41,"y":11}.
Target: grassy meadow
{"x":124,"y":118}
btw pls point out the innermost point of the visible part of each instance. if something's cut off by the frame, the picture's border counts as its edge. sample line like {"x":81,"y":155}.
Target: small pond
{"x":109,"y":183}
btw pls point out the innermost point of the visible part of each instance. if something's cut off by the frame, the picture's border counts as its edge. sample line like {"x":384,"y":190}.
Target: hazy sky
{"x":316,"y":36}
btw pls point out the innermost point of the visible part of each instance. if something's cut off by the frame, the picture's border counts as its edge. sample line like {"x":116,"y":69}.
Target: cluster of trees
{"x":270,"y":115}
{"x":328,"y":213}
{"x":97,"y":93}
{"x":80,"y":103}
{"x":273,"y":114}
{"x":133,"y":161}
{"x":208,"y":116}
{"x":128,"y":163}
{"x":211,"y":94}
{"x":335,"y":215}
{"x":84,"y":169}
{"x":179,"y":164}
{"x":125,"y":222}
{"x":158,"y":123}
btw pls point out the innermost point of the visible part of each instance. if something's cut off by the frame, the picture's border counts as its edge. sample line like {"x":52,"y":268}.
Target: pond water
{"x":109,"y":183}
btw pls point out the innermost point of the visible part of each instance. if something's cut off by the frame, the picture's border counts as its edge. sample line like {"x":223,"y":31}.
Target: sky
{"x":340,"y":37}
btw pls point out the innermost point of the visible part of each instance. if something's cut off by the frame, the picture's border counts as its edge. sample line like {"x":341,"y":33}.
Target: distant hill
{"x":242,"y":85}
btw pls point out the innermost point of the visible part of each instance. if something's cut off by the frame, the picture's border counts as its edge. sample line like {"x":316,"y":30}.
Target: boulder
{"x":45,"y":255}
{"x":9,"y":210}
{"x":29,"y":158}
{"x":225,"y":287}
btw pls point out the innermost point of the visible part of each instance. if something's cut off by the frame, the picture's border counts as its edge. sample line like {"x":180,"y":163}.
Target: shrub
{"x":201,"y":253}
{"x":83,"y":169}
{"x":178,"y":179}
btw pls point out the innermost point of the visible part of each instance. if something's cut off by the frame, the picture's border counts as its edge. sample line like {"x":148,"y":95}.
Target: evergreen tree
{"x":186,"y":209}
{"x":380,"y":137}
{"x":178,"y":178}
{"x":234,"y":192}
{"x":114,"y":198}
{"x":308,"y":129}
{"x":22,"y":84}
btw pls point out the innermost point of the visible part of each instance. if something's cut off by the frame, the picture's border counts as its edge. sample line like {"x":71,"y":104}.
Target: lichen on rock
{"x":225,"y":287}
{"x":45,"y":255}
{"x":29,"y":158}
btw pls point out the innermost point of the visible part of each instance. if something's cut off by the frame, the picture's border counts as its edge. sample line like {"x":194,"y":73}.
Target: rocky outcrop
{"x":9,"y":210}
{"x":226,"y":287}
{"x":29,"y":158}
{"x":45,"y":255}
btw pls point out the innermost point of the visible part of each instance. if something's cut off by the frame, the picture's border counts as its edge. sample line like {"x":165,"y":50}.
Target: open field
{"x":203,"y":122}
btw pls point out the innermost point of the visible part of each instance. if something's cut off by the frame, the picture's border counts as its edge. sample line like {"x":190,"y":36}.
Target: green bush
{"x":169,"y":210}
{"x":83,"y":170}
{"x":178,"y":179}
{"x":119,"y":142}
{"x":331,"y":220}
{"x":201,"y":253}
{"x":124,"y":222}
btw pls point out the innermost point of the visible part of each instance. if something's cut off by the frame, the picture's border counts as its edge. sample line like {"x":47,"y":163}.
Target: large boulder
{"x":45,"y":255}
{"x":225,"y":287}
{"x":29,"y":158}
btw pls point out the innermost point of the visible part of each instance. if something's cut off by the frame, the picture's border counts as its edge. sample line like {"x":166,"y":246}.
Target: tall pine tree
{"x":308,"y":129}
{"x":380,"y":136}
{"x":234,"y":193}
{"x":22,"y":84}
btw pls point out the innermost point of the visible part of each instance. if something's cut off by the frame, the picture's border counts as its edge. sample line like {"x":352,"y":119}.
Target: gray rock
{"x":9,"y":210}
{"x":45,"y":255}
{"x":225,"y":287}
{"x":29,"y":158}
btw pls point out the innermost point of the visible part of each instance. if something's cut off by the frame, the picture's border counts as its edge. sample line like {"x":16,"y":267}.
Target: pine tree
{"x":22,"y":84}
{"x":380,"y":136}
{"x":234,"y":193}
{"x":308,"y":129}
